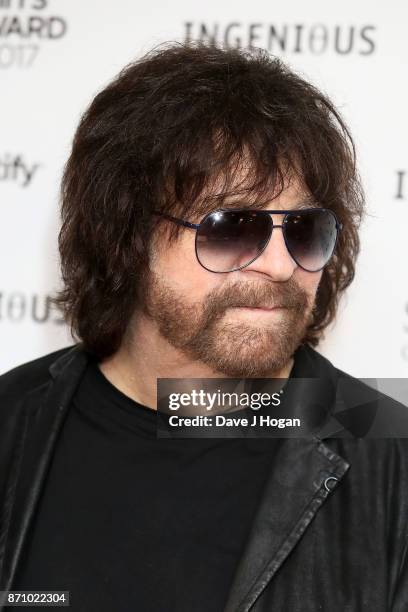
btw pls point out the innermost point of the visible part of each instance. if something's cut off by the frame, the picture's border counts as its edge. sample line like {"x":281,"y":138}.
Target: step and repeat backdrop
{"x":55,"y":55}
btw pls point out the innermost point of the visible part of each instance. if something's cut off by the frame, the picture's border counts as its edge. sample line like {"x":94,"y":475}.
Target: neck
{"x":134,"y":371}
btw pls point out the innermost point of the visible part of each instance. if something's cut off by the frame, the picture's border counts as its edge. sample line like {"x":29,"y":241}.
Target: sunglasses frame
{"x":286,"y":213}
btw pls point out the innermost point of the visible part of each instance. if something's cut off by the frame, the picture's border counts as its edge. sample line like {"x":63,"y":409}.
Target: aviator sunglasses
{"x":230,"y":239}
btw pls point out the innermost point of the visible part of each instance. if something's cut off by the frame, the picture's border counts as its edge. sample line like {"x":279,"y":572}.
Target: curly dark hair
{"x":157,"y":137}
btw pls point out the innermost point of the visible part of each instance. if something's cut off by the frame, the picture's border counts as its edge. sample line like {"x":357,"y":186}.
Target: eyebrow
{"x":308,"y":203}
{"x":305,"y":203}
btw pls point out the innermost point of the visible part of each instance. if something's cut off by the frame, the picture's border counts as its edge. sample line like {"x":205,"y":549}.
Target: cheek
{"x":309,"y":281}
{"x":177,"y":265}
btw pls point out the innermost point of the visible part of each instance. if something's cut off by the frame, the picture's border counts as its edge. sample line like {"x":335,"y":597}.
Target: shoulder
{"x":30,"y":380}
{"x":22,"y":379}
{"x":361,"y":406}
{"x":369,"y":429}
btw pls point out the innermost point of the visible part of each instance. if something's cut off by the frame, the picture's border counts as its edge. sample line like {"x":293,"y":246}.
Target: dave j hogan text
{"x":223,"y":421}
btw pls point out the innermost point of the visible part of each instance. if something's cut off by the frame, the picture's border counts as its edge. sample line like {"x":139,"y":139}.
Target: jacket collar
{"x":76,"y":352}
{"x":300,"y":471}
{"x":41,"y":419}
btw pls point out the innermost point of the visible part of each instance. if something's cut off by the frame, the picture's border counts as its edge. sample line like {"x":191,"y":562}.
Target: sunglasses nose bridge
{"x":275,"y":258}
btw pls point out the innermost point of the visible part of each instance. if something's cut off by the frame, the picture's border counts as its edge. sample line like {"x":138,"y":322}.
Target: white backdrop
{"x":56,"y":54}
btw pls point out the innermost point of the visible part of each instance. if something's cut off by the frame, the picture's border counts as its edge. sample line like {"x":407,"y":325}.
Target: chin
{"x":244,"y":357}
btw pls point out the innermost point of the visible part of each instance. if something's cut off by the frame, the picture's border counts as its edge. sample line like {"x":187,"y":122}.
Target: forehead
{"x":242,"y":187}
{"x":291,"y":198}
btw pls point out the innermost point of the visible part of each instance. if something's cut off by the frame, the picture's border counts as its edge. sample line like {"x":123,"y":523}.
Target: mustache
{"x":254,"y":295}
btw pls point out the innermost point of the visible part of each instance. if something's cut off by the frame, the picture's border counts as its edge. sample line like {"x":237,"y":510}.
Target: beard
{"x":238,"y":347}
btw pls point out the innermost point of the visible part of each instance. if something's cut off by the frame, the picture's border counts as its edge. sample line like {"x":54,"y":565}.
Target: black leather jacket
{"x":312,"y":546}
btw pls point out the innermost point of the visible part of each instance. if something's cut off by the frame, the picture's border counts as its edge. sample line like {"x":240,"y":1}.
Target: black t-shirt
{"x":128,"y":521}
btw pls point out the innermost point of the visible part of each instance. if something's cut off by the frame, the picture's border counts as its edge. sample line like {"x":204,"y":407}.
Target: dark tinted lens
{"x":310,"y":237}
{"x":228,"y":240}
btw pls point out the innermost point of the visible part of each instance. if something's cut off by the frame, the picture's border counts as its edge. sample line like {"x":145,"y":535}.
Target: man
{"x":210,"y":209}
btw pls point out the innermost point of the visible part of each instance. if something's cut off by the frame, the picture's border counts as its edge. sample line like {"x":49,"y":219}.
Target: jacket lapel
{"x":292,"y":496}
{"x":42,"y":420}
{"x":295,"y":489}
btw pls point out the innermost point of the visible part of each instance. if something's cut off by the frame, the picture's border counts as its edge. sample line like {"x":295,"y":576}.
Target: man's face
{"x":207,"y":316}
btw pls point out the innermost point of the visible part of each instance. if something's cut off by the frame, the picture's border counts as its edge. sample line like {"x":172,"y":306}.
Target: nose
{"x":275,"y":260}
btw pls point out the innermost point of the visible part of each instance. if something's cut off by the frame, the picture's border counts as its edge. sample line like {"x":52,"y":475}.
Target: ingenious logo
{"x":401,"y":193}
{"x":25,"y":27}
{"x":288,"y":38}
{"x":405,"y":328}
{"x":19,"y":307}
{"x":401,"y":188}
